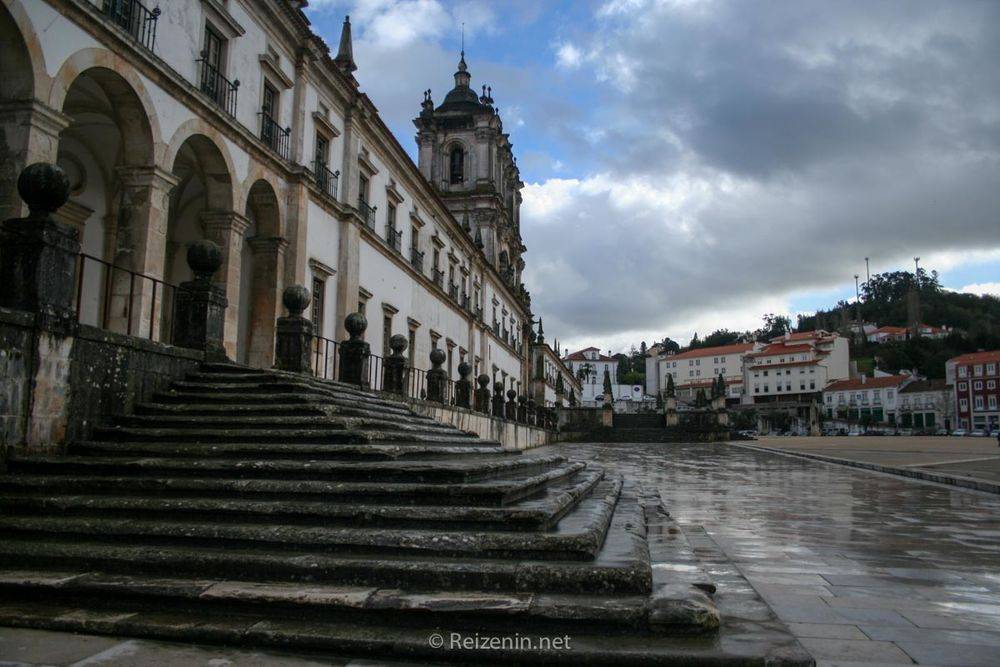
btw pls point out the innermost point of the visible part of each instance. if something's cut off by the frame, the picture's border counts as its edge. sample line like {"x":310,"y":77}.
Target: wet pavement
{"x":865,"y":568}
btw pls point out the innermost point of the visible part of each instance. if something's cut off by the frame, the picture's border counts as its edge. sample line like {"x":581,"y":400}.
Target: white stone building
{"x":697,"y":368}
{"x":795,"y":368}
{"x":588,"y":366}
{"x":926,"y":404}
{"x":230,"y":120}
{"x":854,"y":399}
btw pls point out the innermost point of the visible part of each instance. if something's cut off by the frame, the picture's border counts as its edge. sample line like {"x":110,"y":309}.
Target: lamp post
{"x":868,"y":277}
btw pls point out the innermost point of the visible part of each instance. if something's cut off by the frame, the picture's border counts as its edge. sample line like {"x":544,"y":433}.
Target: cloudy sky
{"x":692,"y":164}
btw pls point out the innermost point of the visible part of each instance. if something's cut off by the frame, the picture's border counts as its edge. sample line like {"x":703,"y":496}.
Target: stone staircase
{"x":272,"y":509}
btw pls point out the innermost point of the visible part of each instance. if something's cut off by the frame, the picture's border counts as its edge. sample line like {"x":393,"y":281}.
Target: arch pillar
{"x":226,"y":228}
{"x":29,"y":133}
{"x":265,"y":299}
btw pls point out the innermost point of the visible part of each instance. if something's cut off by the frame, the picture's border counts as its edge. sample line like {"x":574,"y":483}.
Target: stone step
{"x":287,"y":450}
{"x":497,"y":492}
{"x":333,"y":436}
{"x":303,"y":405}
{"x":578,"y":536}
{"x":277,"y":397}
{"x":455,"y":609}
{"x":282,"y":421}
{"x":271,"y":386}
{"x":542,"y":512}
{"x":430,"y":472}
{"x":620,"y":567}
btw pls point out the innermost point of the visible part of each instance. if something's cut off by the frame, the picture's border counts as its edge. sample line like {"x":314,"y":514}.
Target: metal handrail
{"x":417,"y":259}
{"x":276,"y":137}
{"x":221,"y":90}
{"x":367,"y":213}
{"x":326,"y":180}
{"x":135,"y":18}
{"x":394,"y":237}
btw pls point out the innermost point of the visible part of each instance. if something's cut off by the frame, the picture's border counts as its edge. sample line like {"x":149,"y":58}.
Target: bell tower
{"x":465,"y":154}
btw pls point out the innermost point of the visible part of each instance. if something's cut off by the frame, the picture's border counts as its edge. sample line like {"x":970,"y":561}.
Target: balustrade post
{"x":532,"y":412}
{"x":498,"y":410}
{"x":293,"y":335}
{"x":512,"y":405}
{"x":394,"y":371}
{"x":522,"y":409}
{"x":201,"y":303}
{"x":463,"y":387}
{"x":38,"y":254}
{"x":437,"y":377}
{"x":355,"y":353}
{"x":483,"y":394}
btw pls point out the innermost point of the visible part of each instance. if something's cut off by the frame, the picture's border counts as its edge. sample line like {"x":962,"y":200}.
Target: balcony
{"x":272,"y":134}
{"x":417,"y":259}
{"x":464,"y":301}
{"x":367,"y":213}
{"x":394,"y":238}
{"x":453,"y":291}
{"x":479,"y":313}
{"x":219,"y":89}
{"x":438,"y":277}
{"x":326,"y":180}
{"x":134,"y":18}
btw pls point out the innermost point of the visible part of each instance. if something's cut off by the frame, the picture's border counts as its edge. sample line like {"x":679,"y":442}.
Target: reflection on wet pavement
{"x":863,"y":567}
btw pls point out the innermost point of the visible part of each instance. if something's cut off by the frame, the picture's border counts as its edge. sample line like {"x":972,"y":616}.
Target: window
{"x":322,"y":151}
{"x":977,"y":385}
{"x":993,"y":402}
{"x":962,"y":371}
{"x":963,"y":405}
{"x":269,"y":104}
{"x":318,"y":297}
{"x":977,"y":369}
{"x":991,"y":384}
{"x":979,"y":402}
{"x":214,"y":46}
{"x":456,"y":166}
{"x":765,"y":389}
{"x":363,"y":188}
{"x":991,"y":369}
{"x":812,"y":385}
{"x":962,"y":386}
{"x":413,"y":346}
{"x":386,"y":333}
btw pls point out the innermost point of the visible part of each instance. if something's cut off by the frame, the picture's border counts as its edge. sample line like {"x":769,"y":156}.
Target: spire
{"x":462,"y":76}
{"x":345,"y":54}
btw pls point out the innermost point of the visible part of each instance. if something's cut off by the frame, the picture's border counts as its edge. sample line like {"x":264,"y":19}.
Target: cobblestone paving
{"x":864,"y":568}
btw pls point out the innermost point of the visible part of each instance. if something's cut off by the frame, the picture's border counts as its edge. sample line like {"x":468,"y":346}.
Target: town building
{"x":698,"y":368}
{"x":552,"y":381}
{"x":886,"y":334}
{"x":233,"y":121}
{"x":926,"y":405}
{"x":976,"y":397}
{"x":864,"y":399}
{"x":588,"y":366}
{"x":793,"y":369}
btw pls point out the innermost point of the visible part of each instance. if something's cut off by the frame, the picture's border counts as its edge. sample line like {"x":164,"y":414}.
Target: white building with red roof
{"x":976,"y":379}
{"x":588,"y":365}
{"x":887,"y":333}
{"x":795,"y":367}
{"x":855,"y":399}
{"x":697,"y":368}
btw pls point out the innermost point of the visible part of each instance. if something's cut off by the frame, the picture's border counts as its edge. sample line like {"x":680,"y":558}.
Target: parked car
{"x":978,"y":433}
{"x":960,"y":433}
{"x":941,"y":431}
{"x":854,"y":432}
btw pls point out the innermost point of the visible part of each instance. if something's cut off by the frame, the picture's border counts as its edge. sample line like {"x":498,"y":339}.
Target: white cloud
{"x":982,"y":288}
{"x":568,"y":56}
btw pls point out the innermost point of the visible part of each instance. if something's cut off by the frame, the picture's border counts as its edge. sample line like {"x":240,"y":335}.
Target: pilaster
{"x":226,"y":229}
{"x":30,"y":133}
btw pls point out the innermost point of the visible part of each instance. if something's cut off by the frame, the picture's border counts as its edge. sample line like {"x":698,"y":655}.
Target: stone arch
{"x":200,"y":132}
{"x":22,"y":63}
{"x":107,"y":150}
{"x":261,"y":276}
{"x":451,"y":147}
{"x":94,"y":57}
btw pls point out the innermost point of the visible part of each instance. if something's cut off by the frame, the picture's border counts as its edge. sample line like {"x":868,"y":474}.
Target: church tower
{"x":467,"y":157}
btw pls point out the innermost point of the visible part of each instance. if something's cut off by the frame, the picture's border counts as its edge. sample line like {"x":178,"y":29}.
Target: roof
{"x":809,"y":362}
{"x":976,"y":357}
{"x":736,"y":348}
{"x":891,"y":330}
{"x":578,"y":356}
{"x":869,"y":383}
{"x":925,"y":385}
{"x":781,"y":348}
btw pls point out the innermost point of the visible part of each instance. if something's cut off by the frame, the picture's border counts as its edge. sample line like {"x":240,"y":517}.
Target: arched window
{"x":456,"y":162}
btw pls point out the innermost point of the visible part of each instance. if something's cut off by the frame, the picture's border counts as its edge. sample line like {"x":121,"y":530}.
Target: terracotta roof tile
{"x":719,"y":350}
{"x":869,"y":383}
{"x":976,"y":357}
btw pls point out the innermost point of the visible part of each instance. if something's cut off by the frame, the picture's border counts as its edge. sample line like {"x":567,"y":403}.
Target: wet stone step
{"x":542,"y":512}
{"x":333,"y":436}
{"x":440,"y":472}
{"x":288,"y":450}
{"x":578,"y":537}
{"x":488,"y":493}
{"x":258,"y":422}
{"x":361,"y":603}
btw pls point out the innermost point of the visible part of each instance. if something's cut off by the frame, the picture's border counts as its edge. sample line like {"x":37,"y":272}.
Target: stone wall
{"x":510,"y":434}
{"x":54,"y":387}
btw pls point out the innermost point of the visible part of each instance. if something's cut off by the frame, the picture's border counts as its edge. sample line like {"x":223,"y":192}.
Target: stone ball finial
{"x":296,"y":299}
{"x":437,"y":357}
{"x":204,"y":257}
{"x":464,"y":369}
{"x":483,"y":381}
{"x":397,"y":344}
{"x":498,"y":388}
{"x":355,"y":323}
{"x":511,"y":394}
{"x":44,"y":187}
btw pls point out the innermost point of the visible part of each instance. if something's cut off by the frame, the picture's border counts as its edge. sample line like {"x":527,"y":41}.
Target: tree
{"x":670,"y":345}
{"x":609,"y":395}
{"x":774,"y":326}
{"x":671,"y":392}
{"x":700,"y":400}
{"x":722,"y":386}
{"x":642,"y":348}
{"x":694,"y":341}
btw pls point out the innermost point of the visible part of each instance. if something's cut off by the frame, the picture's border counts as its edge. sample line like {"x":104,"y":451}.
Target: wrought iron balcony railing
{"x":438,"y":277}
{"x":272,"y":134}
{"x":133,"y":17}
{"x":367,"y":213}
{"x":326,"y":179}
{"x":221,"y":90}
{"x":453,"y":291}
{"x":417,"y":259}
{"x":394,"y":237}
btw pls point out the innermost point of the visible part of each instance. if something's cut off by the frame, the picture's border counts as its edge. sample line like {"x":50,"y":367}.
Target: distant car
{"x":960,"y":433}
{"x":941,"y":431}
{"x":854,"y":432}
{"x":995,"y":433}
{"x":978,"y":433}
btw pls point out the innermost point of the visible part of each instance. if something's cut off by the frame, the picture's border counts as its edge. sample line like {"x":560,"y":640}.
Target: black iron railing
{"x":367,"y":213}
{"x":394,"y":237}
{"x":438,"y":277}
{"x":417,"y":259}
{"x":326,"y":180}
{"x":221,"y":90}
{"x":276,"y":137}
{"x":325,"y":358}
{"x":453,"y":291}
{"x":121,"y":300}
{"x":135,"y":19}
